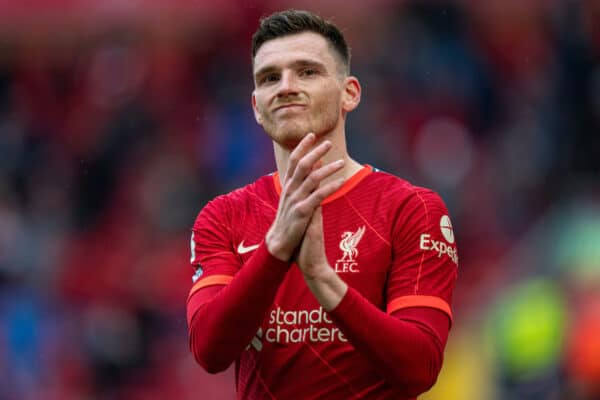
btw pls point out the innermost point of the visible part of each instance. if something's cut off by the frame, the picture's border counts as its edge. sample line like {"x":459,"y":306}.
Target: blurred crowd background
{"x":119,"y":120}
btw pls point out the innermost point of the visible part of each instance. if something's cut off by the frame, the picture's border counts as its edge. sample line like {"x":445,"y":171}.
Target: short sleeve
{"x":424,"y":255}
{"x":212,"y":254}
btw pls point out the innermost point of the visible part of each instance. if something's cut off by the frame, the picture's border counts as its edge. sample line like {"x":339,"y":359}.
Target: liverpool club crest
{"x":348,"y":245}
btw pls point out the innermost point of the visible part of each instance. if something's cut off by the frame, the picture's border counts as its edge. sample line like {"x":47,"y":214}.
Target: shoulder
{"x":400,"y":191}
{"x":224,"y":206}
{"x":408,"y":209}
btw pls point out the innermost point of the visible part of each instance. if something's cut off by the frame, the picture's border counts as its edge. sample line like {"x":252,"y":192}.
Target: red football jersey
{"x":391,"y":241}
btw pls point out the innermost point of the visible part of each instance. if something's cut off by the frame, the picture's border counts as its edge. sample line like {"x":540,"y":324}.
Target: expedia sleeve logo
{"x":446,"y":247}
{"x":446,"y":228}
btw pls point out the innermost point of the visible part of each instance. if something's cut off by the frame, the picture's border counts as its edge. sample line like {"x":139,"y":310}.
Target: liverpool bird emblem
{"x":348,"y":244}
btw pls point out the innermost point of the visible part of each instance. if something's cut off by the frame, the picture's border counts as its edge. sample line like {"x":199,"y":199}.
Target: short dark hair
{"x":290,"y":22}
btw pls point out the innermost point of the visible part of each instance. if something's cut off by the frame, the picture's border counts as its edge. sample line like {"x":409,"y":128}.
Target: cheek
{"x":260,"y":102}
{"x":258,"y":105}
{"x":260,"y":110}
{"x":329,"y":101}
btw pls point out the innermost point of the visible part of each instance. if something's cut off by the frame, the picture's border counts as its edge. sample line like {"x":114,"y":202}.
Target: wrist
{"x":320,"y":273}
{"x":276,"y":247}
{"x":328,"y":288}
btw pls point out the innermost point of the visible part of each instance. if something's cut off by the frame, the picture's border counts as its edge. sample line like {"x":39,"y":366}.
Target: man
{"x":327,"y":279}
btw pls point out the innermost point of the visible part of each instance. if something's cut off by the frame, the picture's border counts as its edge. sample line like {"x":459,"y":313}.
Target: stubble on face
{"x":320,"y":118}
{"x":321,"y":98}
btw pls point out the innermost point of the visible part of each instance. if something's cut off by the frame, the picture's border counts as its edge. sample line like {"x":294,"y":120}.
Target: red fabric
{"x":390,"y":241}
{"x":222,"y":322}
{"x":407,"y":348}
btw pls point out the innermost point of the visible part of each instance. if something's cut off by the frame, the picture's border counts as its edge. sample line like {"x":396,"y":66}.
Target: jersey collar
{"x":346,"y":187}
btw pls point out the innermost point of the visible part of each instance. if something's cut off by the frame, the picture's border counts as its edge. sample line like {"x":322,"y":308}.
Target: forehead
{"x":287,"y":49}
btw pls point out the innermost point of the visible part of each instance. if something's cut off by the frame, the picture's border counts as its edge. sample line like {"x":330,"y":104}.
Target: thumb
{"x":315,"y":226}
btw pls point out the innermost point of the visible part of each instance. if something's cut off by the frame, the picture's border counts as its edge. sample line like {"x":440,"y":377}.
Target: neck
{"x":338,"y":151}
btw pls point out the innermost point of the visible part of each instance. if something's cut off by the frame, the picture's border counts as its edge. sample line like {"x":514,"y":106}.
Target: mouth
{"x":289,"y":107}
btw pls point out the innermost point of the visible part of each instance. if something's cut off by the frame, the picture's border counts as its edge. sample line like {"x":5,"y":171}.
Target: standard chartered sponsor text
{"x":296,"y":326}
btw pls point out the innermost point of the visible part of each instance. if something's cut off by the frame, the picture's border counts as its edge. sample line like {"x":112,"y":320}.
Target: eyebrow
{"x":298,"y":63}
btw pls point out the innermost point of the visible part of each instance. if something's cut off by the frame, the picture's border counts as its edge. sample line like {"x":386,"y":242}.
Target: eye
{"x":308,"y":72}
{"x":269,"y":78}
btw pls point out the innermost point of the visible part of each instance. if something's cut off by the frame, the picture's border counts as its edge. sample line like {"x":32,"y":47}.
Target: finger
{"x":317,"y":215}
{"x":317,"y":165}
{"x":306,"y":163}
{"x":313,"y":180}
{"x":316,"y":198}
{"x":299,"y":152}
{"x":315,"y":226}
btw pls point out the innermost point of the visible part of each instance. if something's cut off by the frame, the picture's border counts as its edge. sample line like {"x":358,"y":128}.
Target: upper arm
{"x":212,"y":255}
{"x":424,"y":256}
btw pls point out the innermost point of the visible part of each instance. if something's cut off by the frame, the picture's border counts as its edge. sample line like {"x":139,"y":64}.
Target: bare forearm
{"x":328,"y":288}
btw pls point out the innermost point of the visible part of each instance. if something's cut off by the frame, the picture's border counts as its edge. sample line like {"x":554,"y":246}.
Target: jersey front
{"x":389,"y":240}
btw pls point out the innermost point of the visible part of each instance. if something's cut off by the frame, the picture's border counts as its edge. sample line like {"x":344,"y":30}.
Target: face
{"x":298,"y":88}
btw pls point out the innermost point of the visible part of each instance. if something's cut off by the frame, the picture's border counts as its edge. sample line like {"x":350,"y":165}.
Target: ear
{"x":351,"y":94}
{"x":257,"y":116}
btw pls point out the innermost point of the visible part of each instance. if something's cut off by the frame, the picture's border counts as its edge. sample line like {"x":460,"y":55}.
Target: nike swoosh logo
{"x":246,"y":249}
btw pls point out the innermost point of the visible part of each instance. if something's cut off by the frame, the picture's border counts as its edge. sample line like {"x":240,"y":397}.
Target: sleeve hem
{"x":345,"y":303}
{"x":269,"y":259}
{"x":419,"y":301}
{"x":210,"y":281}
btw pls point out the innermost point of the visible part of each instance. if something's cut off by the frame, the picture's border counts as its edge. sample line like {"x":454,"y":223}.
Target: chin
{"x":289,"y":136}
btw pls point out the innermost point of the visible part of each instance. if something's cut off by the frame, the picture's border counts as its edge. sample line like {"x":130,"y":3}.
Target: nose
{"x":288,"y":84}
